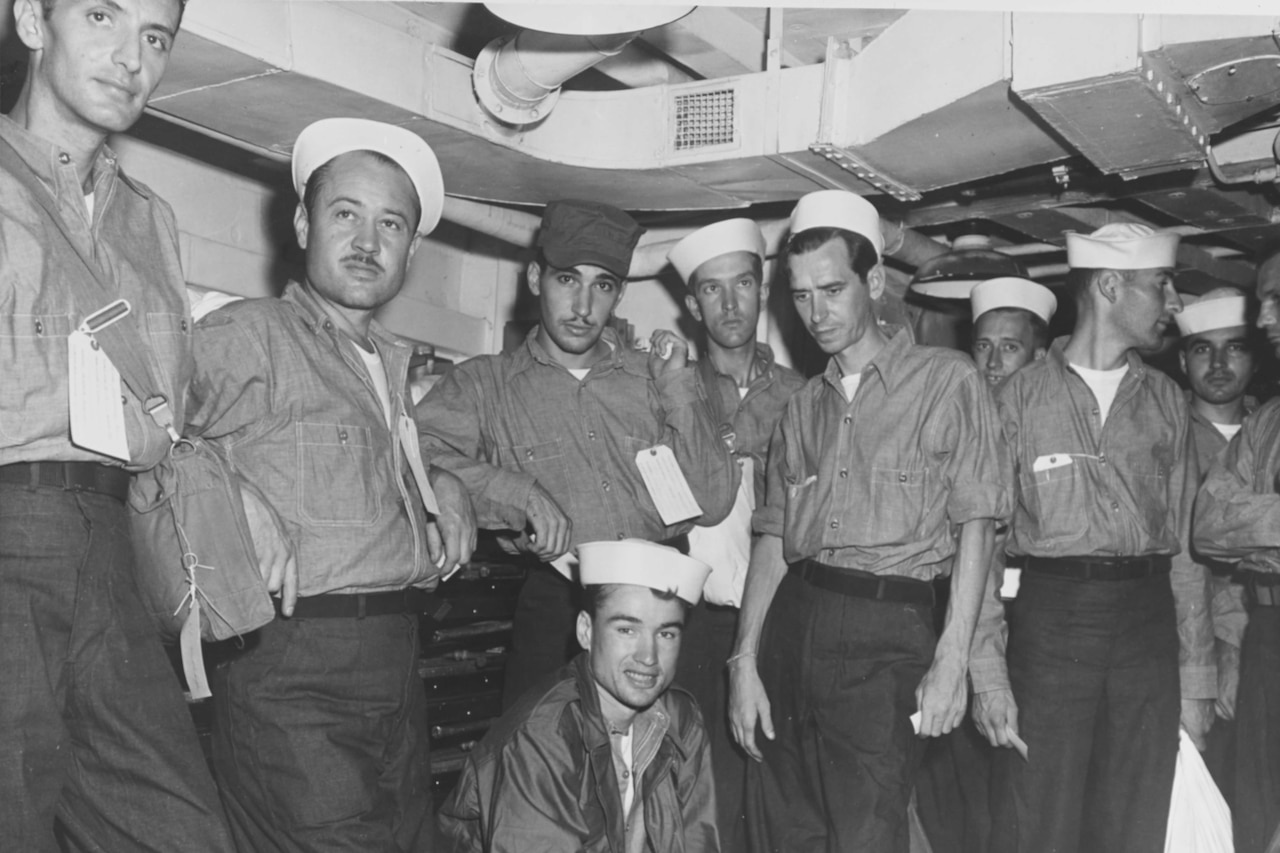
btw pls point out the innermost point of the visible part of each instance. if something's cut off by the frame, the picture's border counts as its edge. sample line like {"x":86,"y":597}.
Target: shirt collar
{"x":44,"y":158}
{"x":315,"y":318}
{"x":596,"y":729}
{"x":764,"y":366}
{"x":531,"y":352}
{"x":1057,"y":358}
{"x":887,"y":365}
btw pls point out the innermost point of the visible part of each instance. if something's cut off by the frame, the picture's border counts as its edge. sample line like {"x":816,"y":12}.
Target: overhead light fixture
{"x":517,"y":78}
{"x":971,"y":260}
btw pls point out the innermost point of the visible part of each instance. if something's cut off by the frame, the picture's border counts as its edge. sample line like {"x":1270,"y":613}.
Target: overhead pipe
{"x":517,"y":79}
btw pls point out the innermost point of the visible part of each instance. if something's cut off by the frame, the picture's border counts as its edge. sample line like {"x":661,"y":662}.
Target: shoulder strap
{"x":120,"y":340}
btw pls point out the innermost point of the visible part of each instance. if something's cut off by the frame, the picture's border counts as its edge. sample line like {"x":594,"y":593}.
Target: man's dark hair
{"x":1039,"y":328}
{"x":595,"y":595}
{"x":862,"y":254}
{"x":311,"y":193}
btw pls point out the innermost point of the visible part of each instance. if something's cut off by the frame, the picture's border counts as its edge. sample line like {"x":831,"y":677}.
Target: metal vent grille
{"x":704,"y":119}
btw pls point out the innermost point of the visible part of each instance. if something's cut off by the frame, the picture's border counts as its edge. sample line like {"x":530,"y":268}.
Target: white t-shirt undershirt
{"x":579,"y":373}
{"x":624,"y":746}
{"x":1228,"y":431}
{"x":378,"y":373}
{"x":850,"y":385}
{"x":1103,"y":384}
{"x":89,"y":200}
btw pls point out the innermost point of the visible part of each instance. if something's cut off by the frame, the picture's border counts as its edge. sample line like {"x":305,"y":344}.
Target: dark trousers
{"x":1257,"y":784}
{"x":320,"y":738}
{"x":953,"y":791}
{"x":705,"y":646}
{"x":94,"y":734}
{"x":841,"y":674}
{"x":1094,"y":668}
{"x":542,"y":634}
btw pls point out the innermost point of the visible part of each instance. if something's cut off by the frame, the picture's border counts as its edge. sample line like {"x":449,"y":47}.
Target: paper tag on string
{"x":96,"y":398}
{"x":409,"y":442}
{"x":666,"y":484}
{"x":192,"y":654}
{"x":567,"y":565}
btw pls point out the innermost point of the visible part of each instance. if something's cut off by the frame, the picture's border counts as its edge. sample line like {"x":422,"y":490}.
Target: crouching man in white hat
{"x":886,"y":472}
{"x":1111,"y":625}
{"x":604,"y":755}
{"x":320,"y":740}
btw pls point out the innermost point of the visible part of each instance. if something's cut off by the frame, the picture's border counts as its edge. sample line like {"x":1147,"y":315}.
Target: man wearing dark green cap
{"x":547,"y":437}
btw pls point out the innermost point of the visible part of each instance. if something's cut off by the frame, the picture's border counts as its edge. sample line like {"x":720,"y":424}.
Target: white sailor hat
{"x":323,"y":140}
{"x":838,"y":209}
{"x":1122,"y":246}
{"x":721,"y":238}
{"x":641,"y":563}
{"x":1220,"y":308}
{"x":1013,"y":292}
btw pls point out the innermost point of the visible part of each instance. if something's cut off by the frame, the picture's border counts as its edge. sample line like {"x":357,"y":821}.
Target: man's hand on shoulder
{"x":668,"y":353}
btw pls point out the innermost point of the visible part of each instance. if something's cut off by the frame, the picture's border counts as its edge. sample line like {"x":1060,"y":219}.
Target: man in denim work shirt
{"x":1111,"y":627}
{"x":320,"y":729}
{"x":546,"y":437}
{"x":723,"y":267}
{"x":886,"y":472}
{"x":1238,"y":518}
{"x":97,"y":749}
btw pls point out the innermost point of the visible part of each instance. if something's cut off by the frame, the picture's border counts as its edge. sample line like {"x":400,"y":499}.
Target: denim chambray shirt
{"x":134,"y":241}
{"x":1126,"y":492}
{"x":284,"y":395}
{"x":502,"y":422}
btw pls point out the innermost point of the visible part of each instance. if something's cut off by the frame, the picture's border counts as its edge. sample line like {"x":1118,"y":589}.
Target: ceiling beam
{"x":712,"y":41}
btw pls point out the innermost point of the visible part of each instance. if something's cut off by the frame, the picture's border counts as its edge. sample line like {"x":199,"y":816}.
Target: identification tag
{"x":666,"y":484}
{"x":94,"y":390}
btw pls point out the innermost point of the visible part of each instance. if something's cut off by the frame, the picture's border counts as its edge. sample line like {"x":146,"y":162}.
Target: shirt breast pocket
{"x":337,"y":475}
{"x":1054,"y":496}
{"x":897,"y":504}
{"x":170,"y":336}
{"x":33,"y":402}
{"x":543,"y":461}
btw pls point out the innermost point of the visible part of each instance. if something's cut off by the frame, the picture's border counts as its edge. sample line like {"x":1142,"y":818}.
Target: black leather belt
{"x":1099,"y":568}
{"x":69,"y":476}
{"x":1263,"y":589}
{"x":864,"y":584}
{"x":362,"y":604}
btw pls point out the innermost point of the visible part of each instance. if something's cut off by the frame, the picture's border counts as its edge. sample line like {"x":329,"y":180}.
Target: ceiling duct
{"x":517,"y":78}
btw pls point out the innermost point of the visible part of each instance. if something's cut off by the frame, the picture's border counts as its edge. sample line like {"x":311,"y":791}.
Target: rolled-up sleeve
{"x":770,"y":518}
{"x":977,"y":469}
{"x":1232,"y":519}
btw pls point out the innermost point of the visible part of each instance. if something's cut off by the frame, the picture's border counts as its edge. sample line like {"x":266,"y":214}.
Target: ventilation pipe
{"x":517,"y":79}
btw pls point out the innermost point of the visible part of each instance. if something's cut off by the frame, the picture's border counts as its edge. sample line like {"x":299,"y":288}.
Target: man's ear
{"x":1108,"y":283}
{"x":622,"y":291}
{"x":533,"y":277}
{"x":692,"y":305}
{"x":301,"y":225}
{"x":28,"y":15}
{"x":1039,"y":354}
{"x":875,"y":282}
{"x":1182,"y":360}
{"x":583,"y":630}
{"x":413,"y":246}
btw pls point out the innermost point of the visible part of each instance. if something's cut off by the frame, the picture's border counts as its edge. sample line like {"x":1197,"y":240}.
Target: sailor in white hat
{"x":723,"y":267}
{"x":1218,"y":359}
{"x":877,"y":465}
{"x":1104,"y":469}
{"x":602,"y":753}
{"x":1010,"y":325}
{"x":310,"y":390}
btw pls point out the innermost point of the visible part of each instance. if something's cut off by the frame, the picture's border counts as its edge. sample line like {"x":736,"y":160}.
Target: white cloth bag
{"x":726,"y":547}
{"x":1199,"y":818}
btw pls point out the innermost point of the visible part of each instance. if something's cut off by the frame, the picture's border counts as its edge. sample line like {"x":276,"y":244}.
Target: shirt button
{"x":844,"y":472}
{"x":342,"y":436}
{"x":1102,"y":460}
{"x":528,"y":454}
{"x":1095,"y":410}
{"x":592,"y":435}
{"x":328,"y":326}
{"x":184,"y":325}
{"x":64,"y":158}
{"x":848,"y":419}
{"x":902,"y":478}
{"x":604,"y":484}
{"x":622,"y":535}
{"x":626,"y":774}
{"x":1115,"y":505}
{"x":39,"y":327}
{"x":834,"y":524}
